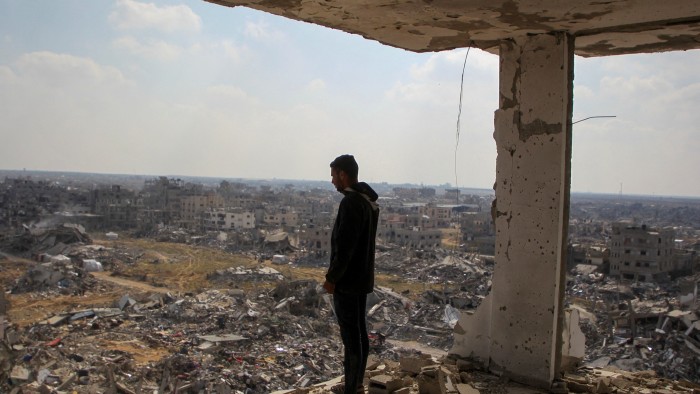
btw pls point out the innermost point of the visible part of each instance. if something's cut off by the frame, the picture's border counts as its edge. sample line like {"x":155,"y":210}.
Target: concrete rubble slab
{"x":222,"y":338}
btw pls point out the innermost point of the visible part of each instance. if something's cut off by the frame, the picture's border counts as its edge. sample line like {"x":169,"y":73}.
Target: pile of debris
{"x":62,"y":275}
{"x":638,"y":327}
{"x":53,"y":241}
{"x":254,"y":342}
{"x":422,"y":373}
{"x":235,"y":275}
{"x":283,"y":335}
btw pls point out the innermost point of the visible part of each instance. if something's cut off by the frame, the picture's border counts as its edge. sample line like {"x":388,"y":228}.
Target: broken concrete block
{"x":621,"y":383}
{"x":432,"y":380}
{"x":384,"y":384}
{"x":19,"y":375}
{"x":578,"y":387}
{"x":433,"y":370}
{"x":428,"y":385}
{"x":11,"y":336}
{"x":463,"y":388}
{"x":414,"y":364}
{"x":126,"y":301}
{"x":56,"y":320}
{"x":222,"y":338}
{"x":375,"y":372}
{"x":206,"y":345}
{"x":602,"y":386}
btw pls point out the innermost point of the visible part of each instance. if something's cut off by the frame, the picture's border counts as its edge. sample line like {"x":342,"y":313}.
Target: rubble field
{"x":140,"y":316}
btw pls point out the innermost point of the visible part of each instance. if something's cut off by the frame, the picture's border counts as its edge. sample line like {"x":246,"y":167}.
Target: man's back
{"x":353,"y":241}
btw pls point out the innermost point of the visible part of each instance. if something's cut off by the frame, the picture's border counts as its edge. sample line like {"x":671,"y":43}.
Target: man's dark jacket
{"x":353,"y":241}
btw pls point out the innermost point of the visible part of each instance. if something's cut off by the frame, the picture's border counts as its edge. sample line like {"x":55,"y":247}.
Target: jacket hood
{"x":365,"y":189}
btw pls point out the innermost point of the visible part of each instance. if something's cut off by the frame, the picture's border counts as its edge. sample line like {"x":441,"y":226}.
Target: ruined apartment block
{"x":228,"y":220}
{"x":194,"y":206}
{"x":641,"y":253}
{"x":316,"y":240}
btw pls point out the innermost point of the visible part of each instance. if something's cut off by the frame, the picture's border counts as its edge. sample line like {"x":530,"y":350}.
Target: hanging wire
{"x":459,"y":114}
{"x":459,"y":119}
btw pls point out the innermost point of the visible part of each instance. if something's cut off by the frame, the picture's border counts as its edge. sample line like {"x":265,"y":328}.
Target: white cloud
{"x":443,"y":93}
{"x":438,"y":80}
{"x":6,"y":75}
{"x":632,"y":86}
{"x":233,"y":50}
{"x":317,"y":85}
{"x":583,"y":92}
{"x":57,"y":69}
{"x":450,"y":63}
{"x":418,"y":93}
{"x":130,"y":14}
{"x":427,"y":69}
{"x":230,"y":94}
{"x":477,"y":59}
{"x":262,"y":31}
{"x":152,"y":49}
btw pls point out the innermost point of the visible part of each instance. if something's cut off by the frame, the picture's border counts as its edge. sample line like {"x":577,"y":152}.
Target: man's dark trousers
{"x":350,"y":312}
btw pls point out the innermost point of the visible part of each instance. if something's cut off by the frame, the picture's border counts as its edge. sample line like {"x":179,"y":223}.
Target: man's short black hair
{"x":347,"y":164}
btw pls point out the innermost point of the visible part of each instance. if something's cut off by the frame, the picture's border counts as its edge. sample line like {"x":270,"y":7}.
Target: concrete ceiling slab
{"x":601,"y":27}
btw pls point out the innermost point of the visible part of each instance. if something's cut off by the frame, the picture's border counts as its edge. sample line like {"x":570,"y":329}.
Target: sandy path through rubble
{"x":29,"y":308}
{"x":130,"y":284}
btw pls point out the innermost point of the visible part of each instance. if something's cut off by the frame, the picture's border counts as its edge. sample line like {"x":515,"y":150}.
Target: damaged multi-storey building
{"x":519,"y":329}
{"x":523,"y":328}
{"x":641,"y":253}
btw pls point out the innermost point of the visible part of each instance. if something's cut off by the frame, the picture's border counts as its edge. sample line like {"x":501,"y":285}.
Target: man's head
{"x":344,"y":170}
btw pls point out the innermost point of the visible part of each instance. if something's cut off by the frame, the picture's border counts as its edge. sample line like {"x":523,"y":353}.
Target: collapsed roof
{"x":601,"y":28}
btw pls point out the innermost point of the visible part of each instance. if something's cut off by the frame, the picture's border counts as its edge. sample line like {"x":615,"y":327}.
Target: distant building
{"x":427,"y":192}
{"x":316,"y":240}
{"x":641,"y":253}
{"x":192,"y":208}
{"x":406,"y":193}
{"x":413,"y":237}
{"x":162,"y":201}
{"x":283,"y":218}
{"x":475,"y":224}
{"x":442,"y":215}
{"x":223,"y":220}
{"x":118,"y":207}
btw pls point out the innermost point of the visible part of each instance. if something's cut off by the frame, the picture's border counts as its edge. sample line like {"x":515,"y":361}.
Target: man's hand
{"x":330,"y":287}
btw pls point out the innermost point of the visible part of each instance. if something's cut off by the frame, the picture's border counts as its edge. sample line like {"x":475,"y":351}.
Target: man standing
{"x":350,"y":276}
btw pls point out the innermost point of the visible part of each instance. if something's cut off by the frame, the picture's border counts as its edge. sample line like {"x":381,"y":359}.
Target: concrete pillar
{"x":517,"y":330}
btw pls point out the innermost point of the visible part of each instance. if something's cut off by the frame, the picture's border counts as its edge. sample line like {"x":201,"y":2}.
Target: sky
{"x":185,"y":87}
